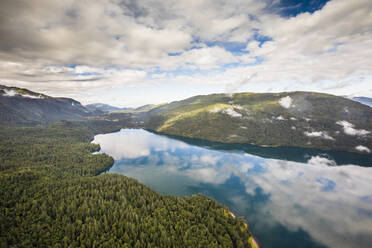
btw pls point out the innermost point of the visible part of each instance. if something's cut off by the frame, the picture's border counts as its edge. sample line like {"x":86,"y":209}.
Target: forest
{"x":54,"y":193}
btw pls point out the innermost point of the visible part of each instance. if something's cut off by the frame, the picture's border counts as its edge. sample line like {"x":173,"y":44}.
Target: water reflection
{"x":296,"y":204}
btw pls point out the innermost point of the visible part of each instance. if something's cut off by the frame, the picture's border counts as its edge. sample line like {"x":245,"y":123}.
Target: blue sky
{"x":130,"y":53}
{"x":291,"y":8}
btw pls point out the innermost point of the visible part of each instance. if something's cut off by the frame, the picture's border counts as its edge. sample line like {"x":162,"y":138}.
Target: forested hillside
{"x":53,"y":196}
{"x":299,"y":119}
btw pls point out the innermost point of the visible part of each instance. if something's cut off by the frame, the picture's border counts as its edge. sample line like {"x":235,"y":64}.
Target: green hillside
{"x":52,"y":195}
{"x":304,"y":119}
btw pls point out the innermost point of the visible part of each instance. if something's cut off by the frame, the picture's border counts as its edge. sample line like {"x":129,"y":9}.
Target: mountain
{"x":364,"y":100}
{"x":22,"y":106}
{"x":108,"y":108}
{"x":105,"y":107}
{"x":147,"y":107}
{"x":302,"y":119}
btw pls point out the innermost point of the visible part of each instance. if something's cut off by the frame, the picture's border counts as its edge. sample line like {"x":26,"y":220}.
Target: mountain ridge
{"x":105,"y":107}
{"x":304,"y":119}
{"x":291,"y":119}
{"x":24,"y":107}
{"x":364,"y":100}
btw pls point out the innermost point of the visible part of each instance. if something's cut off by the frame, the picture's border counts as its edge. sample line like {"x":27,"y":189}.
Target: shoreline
{"x":252,"y":240}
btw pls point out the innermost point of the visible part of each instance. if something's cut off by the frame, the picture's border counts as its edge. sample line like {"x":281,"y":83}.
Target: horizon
{"x":165,"y":102}
{"x":133,"y":53}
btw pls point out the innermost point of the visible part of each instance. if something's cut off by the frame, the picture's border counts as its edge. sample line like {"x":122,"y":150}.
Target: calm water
{"x":296,"y":198}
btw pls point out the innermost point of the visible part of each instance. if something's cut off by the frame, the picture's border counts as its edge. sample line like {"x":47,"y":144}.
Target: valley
{"x":186,"y":124}
{"x":54,"y":196}
{"x":294,"y":119}
{"x":47,"y":162}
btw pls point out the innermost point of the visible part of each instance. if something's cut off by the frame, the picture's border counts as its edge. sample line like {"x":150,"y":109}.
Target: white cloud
{"x":320,"y":134}
{"x":209,"y":159}
{"x":205,"y":58}
{"x":286,"y":102}
{"x":216,"y":110}
{"x":321,"y":161}
{"x":307,"y":189}
{"x":350,"y":130}
{"x":207,"y":175}
{"x":11,"y":93}
{"x":111,"y":144}
{"x":326,"y":51}
{"x":280,"y":118}
{"x":363,"y":149}
{"x":231,"y":112}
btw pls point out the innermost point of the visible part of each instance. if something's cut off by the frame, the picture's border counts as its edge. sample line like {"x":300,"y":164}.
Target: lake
{"x":291,"y":197}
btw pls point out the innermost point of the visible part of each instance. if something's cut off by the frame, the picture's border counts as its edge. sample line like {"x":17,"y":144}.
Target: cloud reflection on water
{"x":331,"y":203}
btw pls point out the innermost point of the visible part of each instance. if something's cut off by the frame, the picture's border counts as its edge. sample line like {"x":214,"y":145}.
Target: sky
{"x":129,"y":53}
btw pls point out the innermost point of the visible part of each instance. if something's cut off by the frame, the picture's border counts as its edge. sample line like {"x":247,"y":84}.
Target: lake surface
{"x":294,"y":198}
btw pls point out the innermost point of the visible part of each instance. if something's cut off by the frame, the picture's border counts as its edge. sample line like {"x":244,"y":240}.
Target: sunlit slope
{"x":303,"y":119}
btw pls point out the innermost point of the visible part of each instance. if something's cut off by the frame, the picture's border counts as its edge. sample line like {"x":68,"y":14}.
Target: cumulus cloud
{"x":319,"y":189}
{"x":121,"y":43}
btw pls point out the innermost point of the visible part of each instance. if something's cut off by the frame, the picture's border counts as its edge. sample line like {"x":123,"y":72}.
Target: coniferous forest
{"x":54,"y":194}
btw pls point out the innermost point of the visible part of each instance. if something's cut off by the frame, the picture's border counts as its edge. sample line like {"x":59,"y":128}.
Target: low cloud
{"x":286,"y":102}
{"x":231,"y":112}
{"x":320,"y":134}
{"x":233,"y":87}
{"x":362,"y":149}
{"x":350,"y":130}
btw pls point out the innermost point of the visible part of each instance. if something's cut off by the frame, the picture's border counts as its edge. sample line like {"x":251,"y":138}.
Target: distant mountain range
{"x":147,"y":107}
{"x":300,"y":119}
{"x":303,"y":119}
{"x":22,"y":106}
{"x":105,"y":107}
{"x":109,"y":108}
{"x":364,"y":100}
